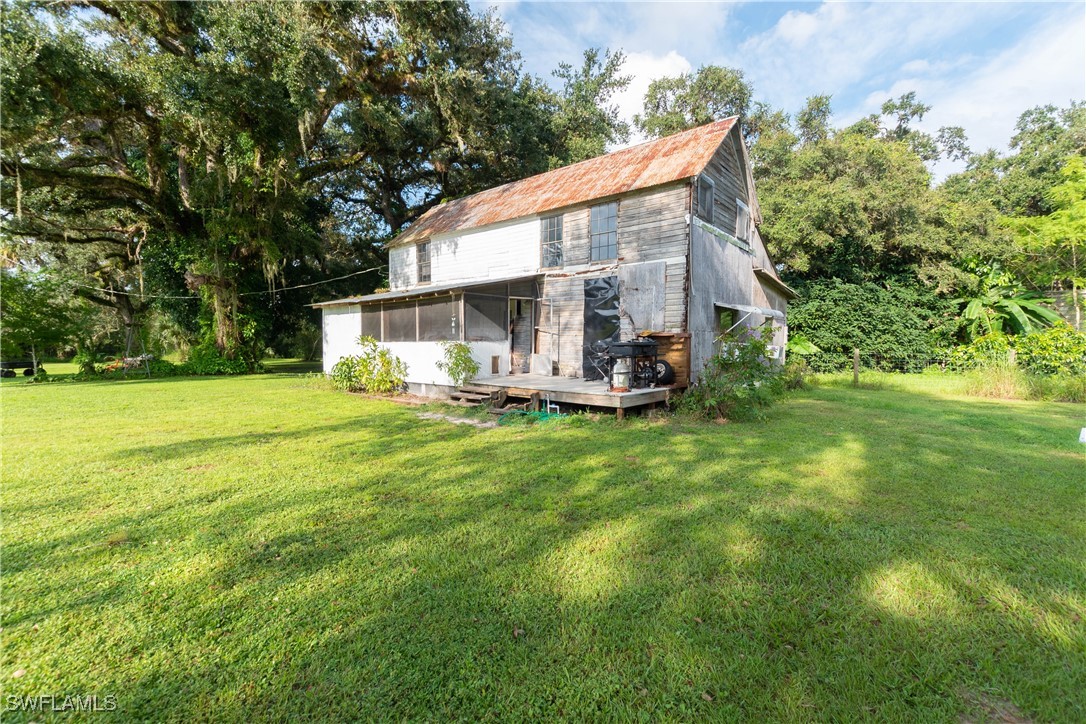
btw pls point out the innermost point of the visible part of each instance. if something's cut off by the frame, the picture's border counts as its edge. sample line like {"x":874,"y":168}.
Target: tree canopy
{"x":234,"y":145}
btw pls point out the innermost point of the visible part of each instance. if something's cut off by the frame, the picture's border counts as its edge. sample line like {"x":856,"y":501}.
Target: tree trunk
{"x":222,"y":295}
{"x":1077,"y":300}
{"x":224,"y":300}
{"x":34,"y":357}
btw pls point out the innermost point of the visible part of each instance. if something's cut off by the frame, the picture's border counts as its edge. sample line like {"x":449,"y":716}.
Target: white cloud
{"x":645,"y":68}
{"x":696,"y":28}
{"x":1048,"y":66}
{"x":848,"y":48}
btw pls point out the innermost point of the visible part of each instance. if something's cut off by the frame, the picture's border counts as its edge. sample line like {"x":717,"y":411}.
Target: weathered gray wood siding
{"x":728,"y":174}
{"x":722,"y":273}
{"x":561,"y":323}
{"x":652,"y":247}
{"x":766,"y":296}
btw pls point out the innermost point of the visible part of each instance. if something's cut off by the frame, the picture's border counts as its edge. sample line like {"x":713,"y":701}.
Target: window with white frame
{"x":705,"y":198}
{"x":742,"y":221}
{"x":604,"y":231}
{"x":422,"y":261}
{"x":551,"y":241}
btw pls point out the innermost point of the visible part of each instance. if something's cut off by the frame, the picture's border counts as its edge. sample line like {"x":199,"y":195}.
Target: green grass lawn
{"x":262,"y":548}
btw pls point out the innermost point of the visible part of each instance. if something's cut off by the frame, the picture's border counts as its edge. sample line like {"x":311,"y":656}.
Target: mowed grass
{"x":259,"y":548}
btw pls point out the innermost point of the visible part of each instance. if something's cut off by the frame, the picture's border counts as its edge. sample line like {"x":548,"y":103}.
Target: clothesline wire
{"x":242,"y":294}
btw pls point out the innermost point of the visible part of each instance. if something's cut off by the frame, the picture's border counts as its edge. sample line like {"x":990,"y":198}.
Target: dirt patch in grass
{"x":991,"y":709}
{"x":458,"y":420}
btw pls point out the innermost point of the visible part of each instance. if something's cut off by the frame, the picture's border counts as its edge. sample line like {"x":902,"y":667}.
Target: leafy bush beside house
{"x":738,"y":382}
{"x":375,"y":370}
{"x":458,"y":364}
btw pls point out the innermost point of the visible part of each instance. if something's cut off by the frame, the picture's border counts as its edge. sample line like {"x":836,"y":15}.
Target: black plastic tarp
{"x":600,"y":322}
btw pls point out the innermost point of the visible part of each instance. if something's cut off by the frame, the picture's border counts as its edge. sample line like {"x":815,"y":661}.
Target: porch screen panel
{"x":371,"y":322}
{"x":486,"y":319}
{"x":400,"y":323}
{"x":439,"y":321}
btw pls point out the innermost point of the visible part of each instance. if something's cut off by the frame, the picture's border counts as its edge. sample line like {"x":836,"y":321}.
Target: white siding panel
{"x":401,"y":267}
{"x":342,"y":326}
{"x":421,"y":359}
{"x":498,"y":251}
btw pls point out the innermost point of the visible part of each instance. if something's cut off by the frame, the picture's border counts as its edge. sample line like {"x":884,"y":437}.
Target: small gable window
{"x":422,"y":261}
{"x":604,"y":228}
{"x":742,"y":221}
{"x":551,"y":241}
{"x":705,"y":198}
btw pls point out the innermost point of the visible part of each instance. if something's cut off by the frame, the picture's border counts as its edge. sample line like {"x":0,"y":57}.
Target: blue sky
{"x":978,"y":64}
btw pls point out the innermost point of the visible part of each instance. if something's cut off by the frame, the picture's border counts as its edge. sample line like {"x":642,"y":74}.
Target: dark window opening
{"x":705,"y":198}
{"x":371,"y":323}
{"x":422,"y":260}
{"x":604,"y":231}
{"x":551,"y":241}
{"x":400,"y":323}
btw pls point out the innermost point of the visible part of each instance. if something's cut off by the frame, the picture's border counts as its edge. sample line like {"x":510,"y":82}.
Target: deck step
{"x":477,"y":390}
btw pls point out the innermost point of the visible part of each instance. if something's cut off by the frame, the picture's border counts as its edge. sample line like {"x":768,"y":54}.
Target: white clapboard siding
{"x":495,"y":252}
{"x":402,"y":272}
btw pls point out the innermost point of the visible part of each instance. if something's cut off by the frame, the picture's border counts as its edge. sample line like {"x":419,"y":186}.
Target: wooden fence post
{"x":856,"y":365}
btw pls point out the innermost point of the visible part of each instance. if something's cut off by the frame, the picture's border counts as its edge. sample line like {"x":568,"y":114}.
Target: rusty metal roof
{"x":668,"y":159}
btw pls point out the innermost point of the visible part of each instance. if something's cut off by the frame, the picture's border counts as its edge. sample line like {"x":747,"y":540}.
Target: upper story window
{"x":551,"y":241}
{"x":742,"y":221}
{"x":604,"y":228}
{"x":705,"y":198}
{"x":422,"y":261}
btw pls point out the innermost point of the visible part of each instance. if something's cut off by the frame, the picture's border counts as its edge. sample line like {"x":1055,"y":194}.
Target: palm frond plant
{"x":1001,"y":304}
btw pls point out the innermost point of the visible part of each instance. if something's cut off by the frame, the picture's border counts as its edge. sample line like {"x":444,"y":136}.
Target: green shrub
{"x":165,"y":368}
{"x":738,"y":383}
{"x":458,"y":364}
{"x":87,"y":359}
{"x":375,"y":370}
{"x":1058,"y":349}
{"x":889,"y":322}
{"x":985,"y":351}
{"x":207,"y":360}
{"x":796,"y":374}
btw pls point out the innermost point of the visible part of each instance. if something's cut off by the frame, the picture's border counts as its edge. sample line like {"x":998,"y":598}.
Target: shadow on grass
{"x":857,"y":556}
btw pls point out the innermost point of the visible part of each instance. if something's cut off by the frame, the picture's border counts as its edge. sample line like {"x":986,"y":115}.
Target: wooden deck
{"x":574,"y":391}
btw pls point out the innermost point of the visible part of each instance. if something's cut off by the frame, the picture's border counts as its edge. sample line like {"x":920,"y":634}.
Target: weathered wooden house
{"x":660,"y":238}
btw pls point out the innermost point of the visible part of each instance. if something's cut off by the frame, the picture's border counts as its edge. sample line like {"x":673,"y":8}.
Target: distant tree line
{"x":884,"y":258}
